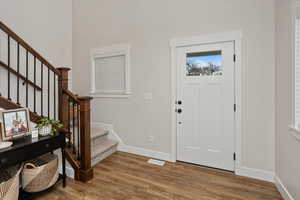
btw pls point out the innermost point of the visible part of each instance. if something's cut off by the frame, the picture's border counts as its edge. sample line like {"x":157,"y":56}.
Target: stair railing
{"x":47,"y":73}
{"x":47,"y":95}
{"x":76,"y":119}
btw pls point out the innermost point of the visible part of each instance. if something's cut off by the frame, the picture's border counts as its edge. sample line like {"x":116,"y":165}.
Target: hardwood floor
{"x":125,"y":176}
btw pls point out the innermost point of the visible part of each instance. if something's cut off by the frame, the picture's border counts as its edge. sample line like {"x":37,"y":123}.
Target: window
{"x":204,"y":64}
{"x":110,"y":75}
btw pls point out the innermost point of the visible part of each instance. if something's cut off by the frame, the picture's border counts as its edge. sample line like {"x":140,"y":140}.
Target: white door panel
{"x":205,"y":127}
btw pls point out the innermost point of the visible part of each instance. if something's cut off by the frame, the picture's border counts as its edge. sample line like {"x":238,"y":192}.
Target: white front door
{"x":206,"y":105}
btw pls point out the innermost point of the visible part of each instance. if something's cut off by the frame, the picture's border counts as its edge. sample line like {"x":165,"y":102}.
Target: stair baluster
{"x":42,"y":92}
{"x":73,"y":126}
{"x":18,"y":75}
{"x":54,"y":96}
{"x":34,"y":89}
{"x":8,"y":71}
{"x":69,"y":126}
{"x":48,"y":93}
{"x":78,"y":131}
{"x":27,"y":78}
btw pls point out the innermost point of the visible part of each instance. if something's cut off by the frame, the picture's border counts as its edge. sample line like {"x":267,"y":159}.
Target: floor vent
{"x":157,"y":162}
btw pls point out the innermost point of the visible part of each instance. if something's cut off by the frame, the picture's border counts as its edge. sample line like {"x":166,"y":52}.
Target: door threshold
{"x":203,"y":166}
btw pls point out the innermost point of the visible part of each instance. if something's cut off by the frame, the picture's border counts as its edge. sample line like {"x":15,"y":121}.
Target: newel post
{"x":63,"y":83}
{"x":86,"y":171}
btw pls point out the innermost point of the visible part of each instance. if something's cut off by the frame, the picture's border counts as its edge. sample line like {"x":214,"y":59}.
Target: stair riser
{"x":104,"y":155}
{"x":98,"y":140}
{"x":94,"y":141}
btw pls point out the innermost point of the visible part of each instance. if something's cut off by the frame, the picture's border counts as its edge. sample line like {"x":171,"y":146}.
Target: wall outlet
{"x":151,"y":139}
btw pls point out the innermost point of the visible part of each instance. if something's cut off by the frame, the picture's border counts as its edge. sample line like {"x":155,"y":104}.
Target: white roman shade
{"x":110,"y":75}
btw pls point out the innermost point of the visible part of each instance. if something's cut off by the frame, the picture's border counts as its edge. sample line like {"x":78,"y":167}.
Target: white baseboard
{"x":256,"y":173}
{"x":282,"y":189}
{"x":144,"y":152}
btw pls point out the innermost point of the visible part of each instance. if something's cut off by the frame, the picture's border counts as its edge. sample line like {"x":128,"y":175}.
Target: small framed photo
{"x":15,"y":123}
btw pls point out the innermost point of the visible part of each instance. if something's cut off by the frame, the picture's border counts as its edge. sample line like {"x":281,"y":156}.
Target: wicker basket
{"x":40,"y":174}
{"x":9,"y":189}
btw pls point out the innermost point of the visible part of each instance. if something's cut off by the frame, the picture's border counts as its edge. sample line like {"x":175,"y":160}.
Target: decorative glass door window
{"x":204,"y":63}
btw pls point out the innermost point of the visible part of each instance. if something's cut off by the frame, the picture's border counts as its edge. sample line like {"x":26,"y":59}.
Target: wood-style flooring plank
{"x":124,"y":176}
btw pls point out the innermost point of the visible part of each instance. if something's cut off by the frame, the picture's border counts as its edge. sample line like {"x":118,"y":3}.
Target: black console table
{"x":28,"y":148}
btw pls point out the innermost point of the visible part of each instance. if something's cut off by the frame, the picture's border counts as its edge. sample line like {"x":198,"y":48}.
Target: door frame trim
{"x":234,"y":36}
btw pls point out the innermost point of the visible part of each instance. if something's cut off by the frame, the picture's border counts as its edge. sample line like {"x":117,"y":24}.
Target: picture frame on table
{"x":14,"y":123}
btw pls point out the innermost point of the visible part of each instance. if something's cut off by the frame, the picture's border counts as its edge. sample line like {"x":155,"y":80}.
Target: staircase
{"x":102,"y":146}
{"x":32,"y":82}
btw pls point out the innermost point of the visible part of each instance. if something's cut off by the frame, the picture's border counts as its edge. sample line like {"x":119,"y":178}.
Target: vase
{"x":46,"y":130}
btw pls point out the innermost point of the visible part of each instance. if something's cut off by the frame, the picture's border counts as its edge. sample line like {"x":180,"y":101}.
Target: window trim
{"x":110,"y":51}
{"x":295,"y":131}
{"x":295,"y":47}
{"x":294,"y":127}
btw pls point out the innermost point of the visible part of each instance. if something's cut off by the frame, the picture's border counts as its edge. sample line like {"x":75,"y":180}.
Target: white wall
{"x":45,"y":25}
{"x":148,"y":26}
{"x":287,"y":147}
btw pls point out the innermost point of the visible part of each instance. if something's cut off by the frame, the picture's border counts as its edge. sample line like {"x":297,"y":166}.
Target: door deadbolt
{"x":179,"y":102}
